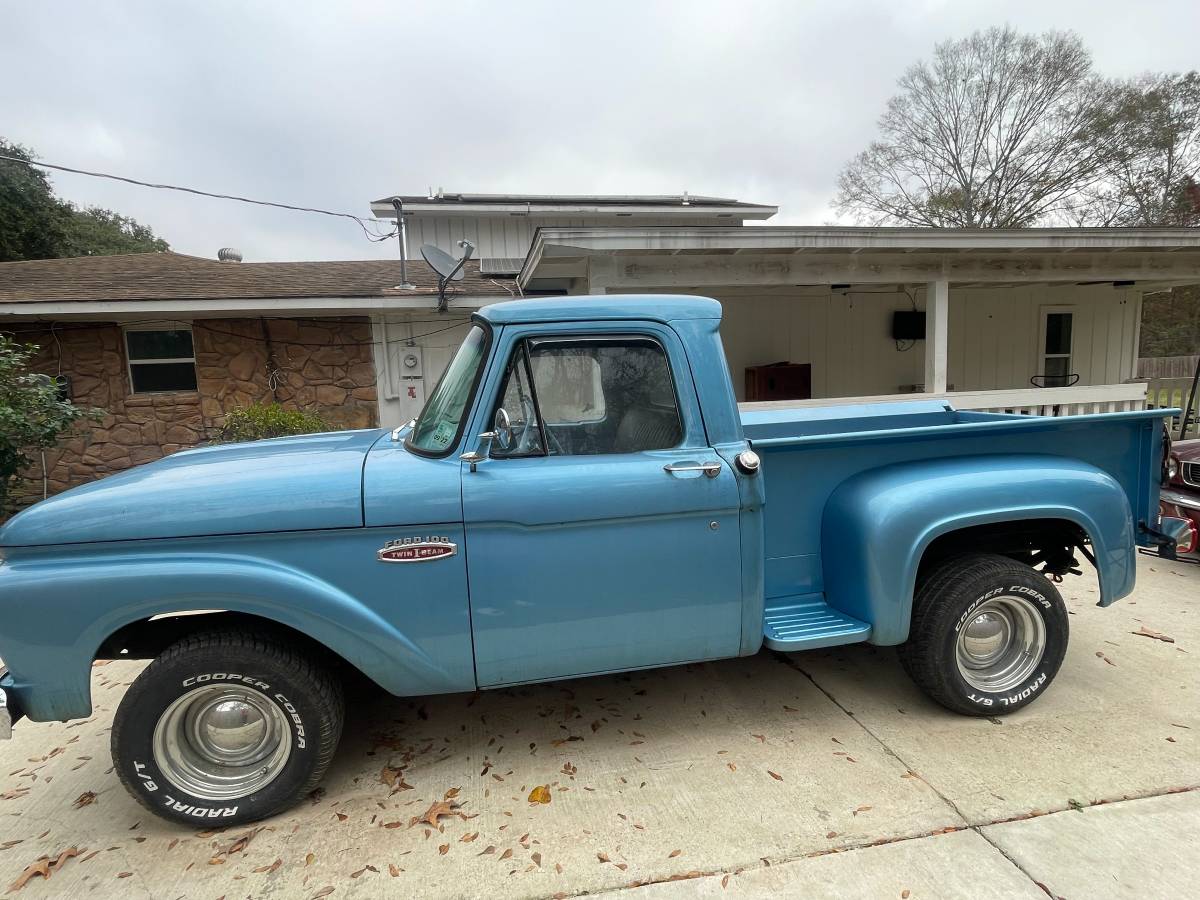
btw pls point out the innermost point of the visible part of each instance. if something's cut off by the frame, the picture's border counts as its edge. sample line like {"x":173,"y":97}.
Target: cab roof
{"x":654,"y":307}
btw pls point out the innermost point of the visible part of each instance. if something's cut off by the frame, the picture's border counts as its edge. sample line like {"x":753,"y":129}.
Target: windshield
{"x":441,"y":420}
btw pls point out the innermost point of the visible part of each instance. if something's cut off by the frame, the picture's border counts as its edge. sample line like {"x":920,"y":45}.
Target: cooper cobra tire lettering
{"x":219,"y":676}
{"x":291,"y":711}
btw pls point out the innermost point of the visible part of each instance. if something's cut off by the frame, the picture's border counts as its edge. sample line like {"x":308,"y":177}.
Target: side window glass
{"x":604,"y":395}
{"x":518,"y":401}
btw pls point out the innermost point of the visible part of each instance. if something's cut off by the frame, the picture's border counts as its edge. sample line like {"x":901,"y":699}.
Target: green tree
{"x":35,"y":224}
{"x":31,"y":414}
{"x":101,"y":232}
{"x":31,"y":218}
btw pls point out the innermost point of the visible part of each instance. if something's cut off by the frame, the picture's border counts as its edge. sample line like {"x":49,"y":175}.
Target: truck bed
{"x":842,"y":441}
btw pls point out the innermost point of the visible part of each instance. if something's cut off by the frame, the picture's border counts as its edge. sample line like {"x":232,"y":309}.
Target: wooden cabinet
{"x":779,"y":381}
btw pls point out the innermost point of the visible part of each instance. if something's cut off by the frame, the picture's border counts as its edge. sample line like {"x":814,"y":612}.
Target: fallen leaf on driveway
{"x":436,"y":811}
{"x":673,"y":854}
{"x":775,"y":775}
{"x":44,"y":867}
{"x":41,"y":867}
{"x":1101,"y":655}
{"x":87,"y":798}
{"x":540,"y":794}
{"x":1157,"y":635}
{"x":273,"y":867}
{"x":862,"y":809}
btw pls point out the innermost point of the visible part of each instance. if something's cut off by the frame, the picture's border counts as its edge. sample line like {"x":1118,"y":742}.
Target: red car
{"x":1180,"y":495}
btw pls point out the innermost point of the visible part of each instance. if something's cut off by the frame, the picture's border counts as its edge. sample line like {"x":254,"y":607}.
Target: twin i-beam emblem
{"x":416,"y":549}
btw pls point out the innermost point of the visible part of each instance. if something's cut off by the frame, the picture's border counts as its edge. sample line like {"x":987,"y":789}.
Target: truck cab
{"x":581,"y":494}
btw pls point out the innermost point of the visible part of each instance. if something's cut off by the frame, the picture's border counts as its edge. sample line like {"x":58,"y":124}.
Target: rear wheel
{"x":226,"y":728}
{"x":988,"y":635}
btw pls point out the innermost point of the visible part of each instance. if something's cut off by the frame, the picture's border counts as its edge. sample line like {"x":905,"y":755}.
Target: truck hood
{"x":285,"y":484}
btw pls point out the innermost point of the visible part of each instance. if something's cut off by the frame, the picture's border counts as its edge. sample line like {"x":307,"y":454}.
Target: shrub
{"x":268,"y":420}
{"x":31,"y":414}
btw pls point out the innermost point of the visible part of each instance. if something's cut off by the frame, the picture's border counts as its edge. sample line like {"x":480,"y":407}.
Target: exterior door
{"x":597,"y":540}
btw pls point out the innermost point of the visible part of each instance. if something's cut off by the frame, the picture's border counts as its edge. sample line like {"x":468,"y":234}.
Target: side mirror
{"x":502,"y":430}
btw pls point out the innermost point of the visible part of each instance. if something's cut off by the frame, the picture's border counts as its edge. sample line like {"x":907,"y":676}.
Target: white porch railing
{"x":1059,"y":401}
{"x":1163,"y":393}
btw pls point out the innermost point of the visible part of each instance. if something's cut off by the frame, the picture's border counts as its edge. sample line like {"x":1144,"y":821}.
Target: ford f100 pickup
{"x":581,"y":494}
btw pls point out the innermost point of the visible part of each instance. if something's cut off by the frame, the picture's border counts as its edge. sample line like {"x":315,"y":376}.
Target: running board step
{"x":810,"y":624}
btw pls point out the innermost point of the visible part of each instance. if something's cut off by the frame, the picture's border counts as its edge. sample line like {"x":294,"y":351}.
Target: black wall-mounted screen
{"x":908,"y":325}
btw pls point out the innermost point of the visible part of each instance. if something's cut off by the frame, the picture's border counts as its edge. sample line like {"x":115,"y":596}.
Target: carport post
{"x":937,"y":321}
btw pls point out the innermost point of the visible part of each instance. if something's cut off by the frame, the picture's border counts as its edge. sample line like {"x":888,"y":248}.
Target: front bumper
{"x":10,"y":713}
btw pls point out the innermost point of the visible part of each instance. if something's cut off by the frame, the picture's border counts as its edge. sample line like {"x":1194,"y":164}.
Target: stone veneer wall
{"x":321,"y":367}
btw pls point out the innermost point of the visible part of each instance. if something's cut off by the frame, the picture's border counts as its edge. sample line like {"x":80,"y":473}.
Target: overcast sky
{"x":336,"y":104}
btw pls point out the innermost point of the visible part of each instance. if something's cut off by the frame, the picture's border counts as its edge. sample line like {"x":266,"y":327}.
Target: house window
{"x":1056,"y":348}
{"x":161,"y":359}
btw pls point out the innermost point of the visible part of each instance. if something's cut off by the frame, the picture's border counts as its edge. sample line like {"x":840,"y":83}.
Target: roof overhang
{"x":602,"y":206}
{"x":315,"y":307}
{"x":652,"y":258}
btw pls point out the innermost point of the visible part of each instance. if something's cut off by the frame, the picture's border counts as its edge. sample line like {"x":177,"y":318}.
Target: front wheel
{"x":226,"y":728}
{"x":988,"y":635}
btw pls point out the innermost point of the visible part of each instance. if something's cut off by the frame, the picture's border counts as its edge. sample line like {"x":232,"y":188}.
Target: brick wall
{"x":320,"y":367}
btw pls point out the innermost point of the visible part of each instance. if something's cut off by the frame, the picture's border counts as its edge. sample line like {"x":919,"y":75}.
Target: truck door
{"x":604,"y":536}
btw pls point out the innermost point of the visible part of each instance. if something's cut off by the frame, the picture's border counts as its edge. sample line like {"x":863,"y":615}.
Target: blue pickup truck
{"x":581,"y":494}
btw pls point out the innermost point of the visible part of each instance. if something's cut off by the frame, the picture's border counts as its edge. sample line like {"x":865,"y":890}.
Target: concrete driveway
{"x":822,"y":774}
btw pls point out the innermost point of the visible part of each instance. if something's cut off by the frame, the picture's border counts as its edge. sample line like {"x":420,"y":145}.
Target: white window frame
{"x":130,"y":362}
{"x":1043,"y":332}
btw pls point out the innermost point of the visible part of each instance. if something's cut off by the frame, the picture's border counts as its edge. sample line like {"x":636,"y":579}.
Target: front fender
{"x":877,"y":525}
{"x":67,"y":607}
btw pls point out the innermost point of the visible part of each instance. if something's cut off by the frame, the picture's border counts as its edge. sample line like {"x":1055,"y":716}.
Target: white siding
{"x":994,"y":335}
{"x":845,"y":337}
{"x":511,"y":235}
{"x":402,"y":390}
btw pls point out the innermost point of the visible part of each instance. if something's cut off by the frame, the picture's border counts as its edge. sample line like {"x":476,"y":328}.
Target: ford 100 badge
{"x":418,"y":549}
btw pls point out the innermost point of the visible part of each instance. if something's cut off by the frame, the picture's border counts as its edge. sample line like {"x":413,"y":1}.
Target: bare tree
{"x":1155,"y":174}
{"x":997,"y":130}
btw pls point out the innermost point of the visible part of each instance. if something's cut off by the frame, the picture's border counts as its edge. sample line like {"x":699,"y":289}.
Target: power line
{"x":361,"y":222}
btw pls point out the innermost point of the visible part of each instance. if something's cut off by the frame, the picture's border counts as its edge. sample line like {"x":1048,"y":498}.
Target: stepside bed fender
{"x":877,"y":525}
{"x":51,"y":658}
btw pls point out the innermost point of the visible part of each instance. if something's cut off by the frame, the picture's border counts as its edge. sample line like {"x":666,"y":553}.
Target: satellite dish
{"x":448,"y":268}
{"x":443,"y":263}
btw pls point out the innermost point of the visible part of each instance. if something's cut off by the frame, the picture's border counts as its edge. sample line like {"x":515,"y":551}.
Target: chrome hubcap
{"x":1001,"y":644}
{"x":221,"y":743}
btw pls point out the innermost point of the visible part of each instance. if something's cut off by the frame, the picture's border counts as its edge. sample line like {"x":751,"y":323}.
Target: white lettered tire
{"x":987,"y":636}
{"x":226,"y":728}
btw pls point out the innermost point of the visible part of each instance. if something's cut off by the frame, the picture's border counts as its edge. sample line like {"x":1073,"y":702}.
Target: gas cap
{"x":748,"y":462}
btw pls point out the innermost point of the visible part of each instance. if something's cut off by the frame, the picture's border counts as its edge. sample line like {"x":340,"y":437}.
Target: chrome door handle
{"x":712,"y":469}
